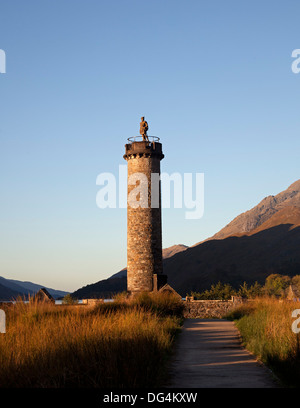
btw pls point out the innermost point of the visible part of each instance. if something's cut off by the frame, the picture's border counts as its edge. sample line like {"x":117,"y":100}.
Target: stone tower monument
{"x":144,"y":234}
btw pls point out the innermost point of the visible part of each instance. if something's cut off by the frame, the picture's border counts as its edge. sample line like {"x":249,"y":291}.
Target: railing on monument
{"x":151,"y":139}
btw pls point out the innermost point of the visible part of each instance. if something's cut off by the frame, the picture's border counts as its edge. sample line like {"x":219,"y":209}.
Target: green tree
{"x":251,"y":292}
{"x":69,"y":300}
{"x":220,"y":291}
{"x":243,"y":290}
{"x":255,"y":290}
{"x":276,"y":284}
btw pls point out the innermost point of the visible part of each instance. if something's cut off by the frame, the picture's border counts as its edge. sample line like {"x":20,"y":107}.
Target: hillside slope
{"x":12,"y":288}
{"x":30,"y":287}
{"x":7,"y":294}
{"x":255,"y":217}
{"x":273,"y":247}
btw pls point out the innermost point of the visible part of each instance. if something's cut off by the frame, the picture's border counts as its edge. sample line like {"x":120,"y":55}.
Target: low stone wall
{"x":209,"y":309}
{"x":92,"y":302}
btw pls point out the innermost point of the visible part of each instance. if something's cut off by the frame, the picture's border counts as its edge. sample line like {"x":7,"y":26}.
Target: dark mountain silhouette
{"x":11,"y":289}
{"x":102,"y":289}
{"x":271,"y":248}
{"x":32,"y":288}
{"x":12,"y":286}
{"x":7,"y":293}
{"x":255,"y":244}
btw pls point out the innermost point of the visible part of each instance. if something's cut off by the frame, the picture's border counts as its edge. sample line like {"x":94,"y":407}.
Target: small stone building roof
{"x":168,"y":289}
{"x":43,"y":296}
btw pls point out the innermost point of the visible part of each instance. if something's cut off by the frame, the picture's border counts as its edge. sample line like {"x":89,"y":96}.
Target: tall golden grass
{"x":266,"y":329}
{"x":122,"y":344}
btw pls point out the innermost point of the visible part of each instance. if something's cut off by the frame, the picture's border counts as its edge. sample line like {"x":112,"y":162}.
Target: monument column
{"x":144,"y":232}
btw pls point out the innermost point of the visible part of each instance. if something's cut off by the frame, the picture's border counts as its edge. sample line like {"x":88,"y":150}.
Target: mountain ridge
{"x":15,"y":288}
{"x":266,"y":208}
{"x":273,"y":247}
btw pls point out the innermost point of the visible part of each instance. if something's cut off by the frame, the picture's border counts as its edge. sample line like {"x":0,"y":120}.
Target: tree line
{"x":276,"y":285}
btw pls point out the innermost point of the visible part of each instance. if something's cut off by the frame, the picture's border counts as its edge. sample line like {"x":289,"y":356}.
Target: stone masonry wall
{"x":209,"y":309}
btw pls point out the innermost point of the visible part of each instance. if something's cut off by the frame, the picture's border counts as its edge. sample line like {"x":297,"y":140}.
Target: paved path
{"x":209,"y":355}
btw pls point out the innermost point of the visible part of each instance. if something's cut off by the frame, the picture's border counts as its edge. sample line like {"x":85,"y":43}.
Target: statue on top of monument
{"x":143,"y":129}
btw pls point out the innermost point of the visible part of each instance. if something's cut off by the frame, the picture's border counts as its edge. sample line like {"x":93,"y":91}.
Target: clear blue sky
{"x":214,"y":81}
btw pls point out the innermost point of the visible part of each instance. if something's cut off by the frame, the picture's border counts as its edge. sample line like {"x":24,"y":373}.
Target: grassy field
{"x":266,"y":329}
{"x":122,"y":344}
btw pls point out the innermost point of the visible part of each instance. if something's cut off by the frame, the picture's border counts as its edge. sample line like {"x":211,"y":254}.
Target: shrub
{"x":69,"y":300}
{"x":276,"y":284}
